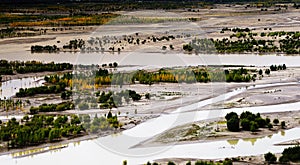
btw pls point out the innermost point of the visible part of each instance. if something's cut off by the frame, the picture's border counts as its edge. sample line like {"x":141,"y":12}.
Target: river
{"x":142,"y":58}
{"x":114,"y":149}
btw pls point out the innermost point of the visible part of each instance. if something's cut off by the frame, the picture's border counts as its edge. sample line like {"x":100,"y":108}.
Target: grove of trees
{"x":290,"y":155}
{"x":247,"y":121}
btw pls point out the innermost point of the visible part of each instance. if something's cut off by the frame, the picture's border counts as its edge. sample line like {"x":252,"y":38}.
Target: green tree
{"x":231,"y":115}
{"x":54,"y":134}
{"x":147,"y":96}
{"x":109,"y":115}
{"x":267,"y":71}
{"x":275,"y":121}
{"x":171,"y":163}
{"x":63,"y":95}
{"x":260,"y":72}
{"x":253,"y":126}
{"x":270,"y":158}
{"x":245,"y":123}
{"x":233,"y":124}
{"x":282,"y":124}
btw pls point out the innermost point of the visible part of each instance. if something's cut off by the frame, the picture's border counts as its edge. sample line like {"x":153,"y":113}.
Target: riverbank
{"x":127,"y":122}
{"x":216,"y":130}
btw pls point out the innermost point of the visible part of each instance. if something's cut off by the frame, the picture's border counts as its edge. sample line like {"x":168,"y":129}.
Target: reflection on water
{"x":32,"y":152}
{"x":76,"y":143}
{"x":251,"y":140}
{"x":27,"y":152}
{"x":282,"y":132}
{"x":233,"y":141}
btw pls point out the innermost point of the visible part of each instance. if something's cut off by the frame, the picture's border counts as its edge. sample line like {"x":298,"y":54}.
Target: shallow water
{"x":11,"y":87}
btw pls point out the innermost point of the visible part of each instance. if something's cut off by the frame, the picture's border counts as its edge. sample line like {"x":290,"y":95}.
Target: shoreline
{"x":6,"y":78}
{"x":225,"y":135}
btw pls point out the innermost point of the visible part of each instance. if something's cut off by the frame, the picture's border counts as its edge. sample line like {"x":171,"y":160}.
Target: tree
{"x":187,"y":47}
{"x":83,"y":106}
{"x":270,"y":158}
{"x":233,"y":124}
{"x":290,"y":154}
{"x":253,"y":126}
{"x":147,"y":96}
{"x":284,"y":67}
{"x":245,"y":123}
{"x":63,"y":95}
{"x":267,"y":71}
{"x":268,"y":120}
{"x":227,"y":162}
{"x":282,"y":124}
{"x":261,"y":122}
{"x":115,"y":64}
{"x":54,"y":134}
{"x":270,"y":126}
{"x":109,"y":115}
{"x":275,"y":121}
{"x":171,"y":163}
{"x":260,"y":72}
{"x":231,"y":115}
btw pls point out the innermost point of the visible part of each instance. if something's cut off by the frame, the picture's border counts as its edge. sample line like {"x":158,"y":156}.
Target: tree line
{"x":246,"y":41}
{"x":38,"y":129}
{"x":40,"y":90}
{"x":52,"y":107}
{"x":102,"y":76}
{"x":12,"y":67}
{"x":197,"y":162}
